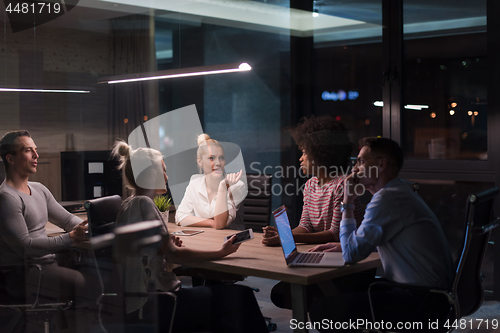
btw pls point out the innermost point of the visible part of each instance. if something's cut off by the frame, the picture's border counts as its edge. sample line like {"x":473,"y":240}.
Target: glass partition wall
{"x":348,"y":66}
{"x":307,"y":57}
{"x":445,"y":86}
{"x":447,"y":125}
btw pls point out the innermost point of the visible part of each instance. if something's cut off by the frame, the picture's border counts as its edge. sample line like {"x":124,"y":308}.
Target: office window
{"x":242,"y":108}
{"x":447,"y":198}
{"x":445,"y":81}
{"x":348,"y":66}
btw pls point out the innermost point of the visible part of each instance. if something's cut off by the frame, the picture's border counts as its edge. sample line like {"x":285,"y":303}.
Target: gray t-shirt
{"x":22,"y":225}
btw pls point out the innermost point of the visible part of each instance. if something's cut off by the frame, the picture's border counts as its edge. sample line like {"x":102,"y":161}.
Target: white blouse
{"x":195,"y":203}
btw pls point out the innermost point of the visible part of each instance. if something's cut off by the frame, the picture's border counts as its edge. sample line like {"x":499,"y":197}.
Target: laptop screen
{"x":284,"y":230}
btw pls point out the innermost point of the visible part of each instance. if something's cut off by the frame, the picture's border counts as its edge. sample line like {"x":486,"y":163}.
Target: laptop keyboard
{"x":309,"y":257}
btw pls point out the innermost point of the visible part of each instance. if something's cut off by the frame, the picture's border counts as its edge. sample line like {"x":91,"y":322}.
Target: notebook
{"x":295,"y":258}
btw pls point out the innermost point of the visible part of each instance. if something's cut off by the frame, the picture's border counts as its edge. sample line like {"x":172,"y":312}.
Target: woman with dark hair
{"x":326,"y":150}
{"x":218,"y":308}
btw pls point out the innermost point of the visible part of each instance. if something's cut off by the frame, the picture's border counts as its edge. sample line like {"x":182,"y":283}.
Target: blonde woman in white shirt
{"x":213,"y":198}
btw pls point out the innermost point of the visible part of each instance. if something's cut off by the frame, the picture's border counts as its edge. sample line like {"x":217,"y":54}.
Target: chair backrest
{"x":127,"y":242}
{"x":467,"y":283}
{"x":101,"y":214}
{"x":257,"y":204}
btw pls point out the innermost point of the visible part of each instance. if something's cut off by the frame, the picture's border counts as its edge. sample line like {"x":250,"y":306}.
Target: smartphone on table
{"x":241,"y":236}
{"x":187,"y":232}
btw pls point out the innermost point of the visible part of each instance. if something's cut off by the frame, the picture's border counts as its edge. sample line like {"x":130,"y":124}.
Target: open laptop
{"x":295,"y":258}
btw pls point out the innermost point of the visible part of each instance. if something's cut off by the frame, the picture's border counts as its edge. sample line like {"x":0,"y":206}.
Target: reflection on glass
{"x":348,"y":66}
{"x":446,"y":70}
{"x":447,"y":198}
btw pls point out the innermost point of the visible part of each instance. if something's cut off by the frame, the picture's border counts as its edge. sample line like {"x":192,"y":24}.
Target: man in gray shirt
{"x":25,"y":208}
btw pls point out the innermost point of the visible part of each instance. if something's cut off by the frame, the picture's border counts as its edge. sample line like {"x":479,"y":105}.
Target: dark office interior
{"x":424,"y":73}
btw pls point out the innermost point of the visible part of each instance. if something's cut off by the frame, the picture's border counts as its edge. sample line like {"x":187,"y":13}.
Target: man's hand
{"x":270,"y":236}
{"x":228,"y":247}
{"x":78,"y":233}
{"x":349,"y":183}
{"x":328,"y":247}
{"x":176,"y":240}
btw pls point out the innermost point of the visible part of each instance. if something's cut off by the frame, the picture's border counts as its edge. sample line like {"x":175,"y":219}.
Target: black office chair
{"x":257,"y":204}
{"x":257,"y":211}
{"x":101,"y":214}
{"x":13,"y":297}
{"x":466,"y":293}
{"x":123,"y":242}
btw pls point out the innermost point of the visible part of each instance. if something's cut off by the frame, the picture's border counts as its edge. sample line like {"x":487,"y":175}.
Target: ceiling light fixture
{"x":179,"y":72}
{"x":44,"y":90}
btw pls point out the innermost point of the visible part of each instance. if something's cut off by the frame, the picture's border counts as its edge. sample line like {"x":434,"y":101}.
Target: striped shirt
{"x":321,"y":209}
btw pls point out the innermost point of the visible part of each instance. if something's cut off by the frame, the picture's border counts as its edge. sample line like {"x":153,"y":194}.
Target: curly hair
{"x":325,"y":140}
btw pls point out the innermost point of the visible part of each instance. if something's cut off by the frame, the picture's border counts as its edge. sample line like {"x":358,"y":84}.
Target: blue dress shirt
{"x":410,"y":241}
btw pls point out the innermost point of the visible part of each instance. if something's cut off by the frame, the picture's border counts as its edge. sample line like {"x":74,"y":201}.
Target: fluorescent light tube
{"x":180,"y":72}
{"x":45,"y":90}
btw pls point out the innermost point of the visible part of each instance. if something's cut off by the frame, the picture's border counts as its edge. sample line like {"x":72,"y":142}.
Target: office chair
{"x":257,"y":204}
{"x":466,"y":293}
{"x":128,"y":241}
{"x":257,"y":212}
{"x":101,"y":214}
{"x":13,"y":297}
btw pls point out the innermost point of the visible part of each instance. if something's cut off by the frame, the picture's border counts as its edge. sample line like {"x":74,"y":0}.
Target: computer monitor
{"x":89,"y":174}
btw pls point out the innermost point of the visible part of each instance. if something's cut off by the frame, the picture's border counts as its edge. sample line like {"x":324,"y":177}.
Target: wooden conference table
{"x":255,"y":259}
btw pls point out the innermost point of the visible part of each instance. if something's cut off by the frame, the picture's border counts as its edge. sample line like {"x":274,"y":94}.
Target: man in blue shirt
{"x":401,"y":227}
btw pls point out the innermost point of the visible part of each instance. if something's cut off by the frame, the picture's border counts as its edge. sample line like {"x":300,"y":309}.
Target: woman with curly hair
{"x":326,"y":150}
